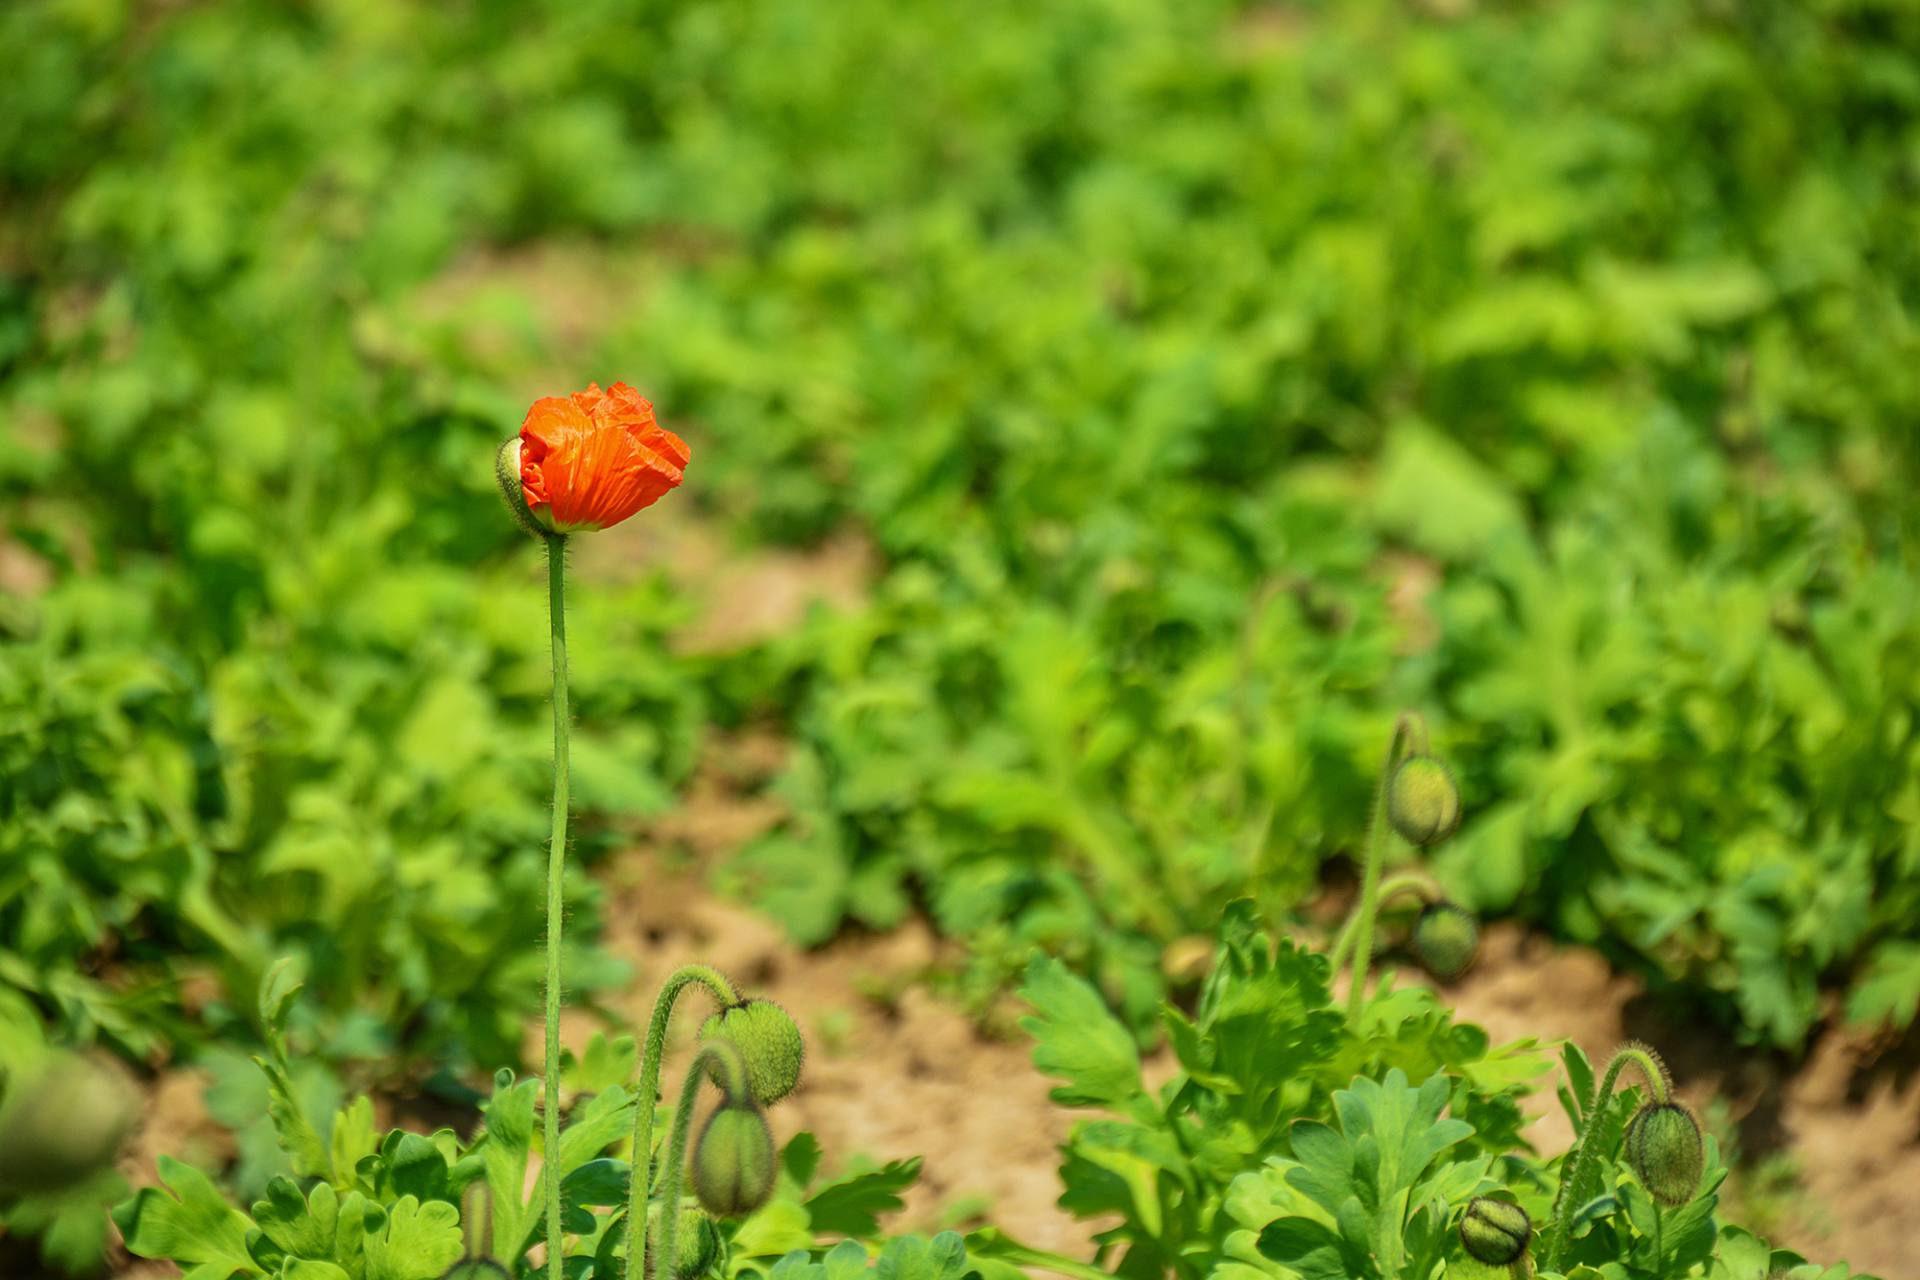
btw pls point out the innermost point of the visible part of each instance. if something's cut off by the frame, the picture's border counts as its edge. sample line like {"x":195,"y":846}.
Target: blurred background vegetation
{"x":1203,"y":381}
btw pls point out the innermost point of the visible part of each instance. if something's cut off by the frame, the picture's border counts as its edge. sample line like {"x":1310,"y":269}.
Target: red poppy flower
{"x":591,"y":459}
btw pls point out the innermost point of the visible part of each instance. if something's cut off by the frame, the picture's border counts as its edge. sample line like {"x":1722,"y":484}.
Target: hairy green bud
{"x":506,"y":472}
{"x":1495,"y":1231}
{"x":733,"y":1161}
{"x":63,"y":1119}
{"x":770,"y":1043}
{"x":1446,"y":938}
{"x":697,"y":1241}
{"x":1664,"y":1146}
{"x":1422,"y":803}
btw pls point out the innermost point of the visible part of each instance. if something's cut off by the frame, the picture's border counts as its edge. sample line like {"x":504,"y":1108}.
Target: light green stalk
{"x":556,"y":874}
{"x":1413,"y":882}
{"x":639,"y":1188}
{"x":1408,"y":730}
{"x":1578,"y":1166}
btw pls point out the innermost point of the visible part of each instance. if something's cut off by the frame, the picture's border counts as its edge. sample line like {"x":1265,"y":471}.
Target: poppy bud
{"x":733,"y":1161}
{"x":1664,"y":1147}
{"x":1495,"y":1231}
{"x":769,"y":1042}
{"x":1422,"y":803}
{"x":1446,"y":938}
{"x":63,"y":1119}
{"x":697,"y":1241}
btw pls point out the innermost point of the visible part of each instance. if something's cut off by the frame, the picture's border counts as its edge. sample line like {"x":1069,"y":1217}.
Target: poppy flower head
{"x":591,"y":459}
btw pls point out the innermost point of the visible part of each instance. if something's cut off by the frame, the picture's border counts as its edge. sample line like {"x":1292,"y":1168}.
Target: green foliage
{"x":1265,"y":1048}
{"x":1296,"y":1145}
{"x":907,"y":1258}
{"x":1206,"y":379}
{"x":408,"y":1206}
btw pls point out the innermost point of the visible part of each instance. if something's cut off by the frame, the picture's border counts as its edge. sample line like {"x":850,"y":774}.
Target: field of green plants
{"x":1203,"y":384}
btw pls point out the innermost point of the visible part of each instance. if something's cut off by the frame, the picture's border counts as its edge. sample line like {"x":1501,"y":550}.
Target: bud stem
{"x":733,"y":1070}
{"x":640,"y":1187}
{"x":1414,"y":882}
{"x":1577,"y":1168}
{"x":1409,"y":733}
{"x":556,"y":875}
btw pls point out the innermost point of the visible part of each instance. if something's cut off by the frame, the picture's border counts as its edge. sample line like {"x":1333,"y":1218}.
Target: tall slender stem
{"x":640,"y":1180}
{"x":1408,"y":728}
{"x":556,"y":874}
{"x":1578,"y":1166}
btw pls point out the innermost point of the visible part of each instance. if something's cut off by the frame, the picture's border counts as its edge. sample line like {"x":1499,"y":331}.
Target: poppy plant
{"x":580,"y":462}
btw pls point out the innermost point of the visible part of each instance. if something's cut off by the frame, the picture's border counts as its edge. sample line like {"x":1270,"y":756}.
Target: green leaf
{"x":914,"y":1258}
{"x":852,"y":1206}
{"x":1077,"y":1040}
{"x":1314,"y":1251}
{"x":507,"y":1147}
{"x":801,"y":1158}
{"x":419,"y":1242}
{"x":304,"y":1226}
{"x":306,"y":1152}
{"x":194,"y":1226}
{"x":278,"y":988}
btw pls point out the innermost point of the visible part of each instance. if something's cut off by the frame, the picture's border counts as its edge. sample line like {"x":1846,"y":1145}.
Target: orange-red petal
{"x":592,"y":459}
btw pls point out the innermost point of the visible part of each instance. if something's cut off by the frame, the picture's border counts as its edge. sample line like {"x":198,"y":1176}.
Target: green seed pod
{"x":1446,"y":938}
{"x":1495,"y":1231}
{"x":733,"y":1161}
{"x":63,"y":1121}
{"x":697,"y":1243}
{"x":1422,"y":803}
{"x":769,"y":1041}
{"x":1664,"y":1147}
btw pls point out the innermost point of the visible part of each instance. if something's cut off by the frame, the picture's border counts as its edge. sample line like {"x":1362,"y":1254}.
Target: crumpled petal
{"x":594,"y":458}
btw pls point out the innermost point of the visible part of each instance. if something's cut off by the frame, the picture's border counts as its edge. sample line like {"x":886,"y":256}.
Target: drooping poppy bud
{"x":769,"y":1042}
{"x":1446,"y":938}
{"x":1664,"y":1146}
{"x":697,"y":1241}
{"x":1422,"y":803}
{"x":589,"y":460}
{"x":1495,"y":1231}
{"x":733,"y":1161}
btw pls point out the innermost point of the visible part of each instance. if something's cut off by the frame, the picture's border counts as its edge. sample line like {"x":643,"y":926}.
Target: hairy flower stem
{"x":716,"y":1053}
{"x":640,"y":1187}
{"x":556,"y":868}
{"x":1409,"y":732}
{"x":1579,"y":1164}
{"x":1404,"y":882}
